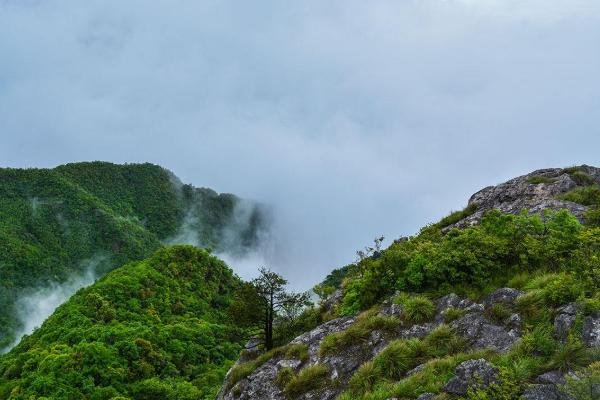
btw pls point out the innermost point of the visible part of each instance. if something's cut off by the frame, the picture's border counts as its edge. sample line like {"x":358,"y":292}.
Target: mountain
{"x":78,"y":221}
{"x":498,"y":301}
{"x":152,"y":329}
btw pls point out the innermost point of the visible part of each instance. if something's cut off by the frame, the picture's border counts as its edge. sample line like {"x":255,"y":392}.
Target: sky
{"x":352,"y":119}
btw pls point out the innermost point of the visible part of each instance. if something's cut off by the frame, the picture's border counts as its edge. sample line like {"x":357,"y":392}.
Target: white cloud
{"x":352,"y":118}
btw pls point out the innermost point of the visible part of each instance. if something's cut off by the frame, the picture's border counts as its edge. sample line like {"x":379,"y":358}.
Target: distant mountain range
{"x":88,"y":218}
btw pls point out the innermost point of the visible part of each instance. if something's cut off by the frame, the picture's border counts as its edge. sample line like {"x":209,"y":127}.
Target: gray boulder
{"x":426,"y":396}
{"x":591,"y":330}
{"x":450,"y":301}
{"x":544,"y":392}
{"x":483,"y":334}
{"x":563,"y":322}
{"x":521,"y":193}
{"x":552,"y":377}
{"x":502,"y":296}
{"x":476,"y":374}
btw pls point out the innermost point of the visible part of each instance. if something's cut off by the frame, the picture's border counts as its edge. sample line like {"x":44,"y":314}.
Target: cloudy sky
{"x":351,"y":118}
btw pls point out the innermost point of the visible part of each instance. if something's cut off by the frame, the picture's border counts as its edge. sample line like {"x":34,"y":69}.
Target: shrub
{"x":538,"y":341}
{"x":310,"y":378}
{"x":562,"y":290}
{"x":590,"y":306}
{"x":418,"y":309}
{"x":581,"y":178}
{"x":584,"y":384}
{"x":592,"y":216}
{"x":586,"y":195}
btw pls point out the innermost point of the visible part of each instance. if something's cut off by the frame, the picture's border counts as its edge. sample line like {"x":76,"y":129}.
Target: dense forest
{"x":154,"y":329}
{"x":56,"y":223}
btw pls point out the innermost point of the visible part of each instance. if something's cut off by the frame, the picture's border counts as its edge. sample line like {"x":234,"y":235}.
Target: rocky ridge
{"x":475,"y":327}
{"x":476,"y":324}
{"x":537,"y":191}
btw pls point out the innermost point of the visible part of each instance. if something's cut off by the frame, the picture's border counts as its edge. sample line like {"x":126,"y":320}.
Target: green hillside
{"x":55,"y":223}
{"x":154,"y":329}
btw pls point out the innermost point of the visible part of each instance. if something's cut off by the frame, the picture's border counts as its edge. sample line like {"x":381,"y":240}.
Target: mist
{"x":35,"y":305}
{"x":350,"y":119}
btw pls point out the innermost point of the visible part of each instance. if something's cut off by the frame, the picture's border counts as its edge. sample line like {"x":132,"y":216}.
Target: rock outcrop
{"x":475,"y":374}
{"x":478,"y":331}
{"x":537,"y":191}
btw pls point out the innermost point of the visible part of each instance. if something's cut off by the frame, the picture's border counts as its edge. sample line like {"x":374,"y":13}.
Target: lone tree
{"x":265,"y":300}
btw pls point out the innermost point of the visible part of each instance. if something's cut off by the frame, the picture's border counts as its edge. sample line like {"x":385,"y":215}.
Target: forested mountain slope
{"x":153,"y":329}
{"x":483,"y":305}
{"x":91,"y":217}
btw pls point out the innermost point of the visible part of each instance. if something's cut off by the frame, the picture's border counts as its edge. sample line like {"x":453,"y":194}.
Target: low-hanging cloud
{"x":350,"y":118}
{"x":33,"y":306}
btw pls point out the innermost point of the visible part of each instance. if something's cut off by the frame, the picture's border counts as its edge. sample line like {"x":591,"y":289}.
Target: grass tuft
{"x":313,"y":377}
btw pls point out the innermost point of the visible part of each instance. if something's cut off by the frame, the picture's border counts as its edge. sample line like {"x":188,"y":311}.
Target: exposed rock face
{"x":564,"y":320}
{"x":476,"y":374}
{"x":551,"y":378}
{"x":502,"y":296}
{"x":478,"y":331}
{"x":536,"y":192}
{"x":591,"y":330}
{"x":544,"y":392}
{"x":483,"y":334}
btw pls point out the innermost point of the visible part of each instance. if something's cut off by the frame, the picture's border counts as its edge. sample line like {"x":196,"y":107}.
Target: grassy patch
{"x":310,"y":378}
{"x":241,"y":371}
{"x":570,"y":356}
{"x":456,"y":216}
{"x":417,"y":309}
{"x":537,"y":179}
{"x":431,"y":378}
{"x":401,"y":356}
{"x":498,"y":313}
{"x":358,"y":332}
{"x":453,"y":313}
{"x":586,"y":195}
{"x":284,"y":376}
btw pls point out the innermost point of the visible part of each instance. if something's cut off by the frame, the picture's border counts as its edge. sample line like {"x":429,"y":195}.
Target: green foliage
{"x":537,"y":179}
{"x":581,"y":177}
{"x":498,"y":313}
{"x":241,"y":371}
{"x":452,"y":314}
{"x":586,"y":195}
{"x":155,"y":329}
{"x":457,"y":216}
{"x":313,"y":377}
{"x":358,"y":332}
{"x":56,"y":223}
{"x":417,"y":309}
{"x":284,"y":376}
{"x":472,"y":259}
{"x":570,"y":355}
{"x":584,"y":384}
{"x":399,"y":357}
